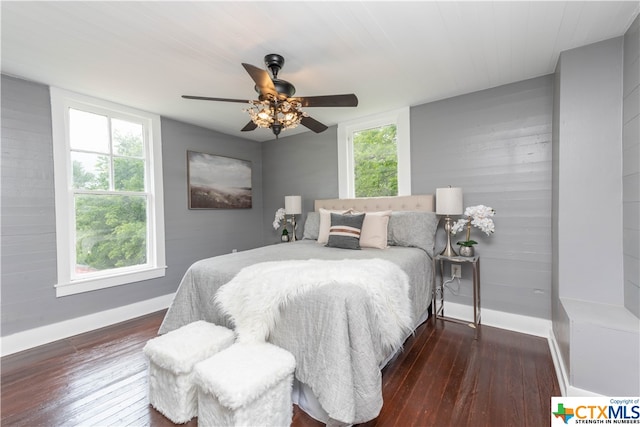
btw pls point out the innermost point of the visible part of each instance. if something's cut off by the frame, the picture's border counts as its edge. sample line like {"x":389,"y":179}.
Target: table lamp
{"x":293,"y":207}
{"x":448,"y":202}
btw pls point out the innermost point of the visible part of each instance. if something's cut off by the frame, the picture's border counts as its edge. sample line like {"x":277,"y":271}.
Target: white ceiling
{"x":390,"y":54}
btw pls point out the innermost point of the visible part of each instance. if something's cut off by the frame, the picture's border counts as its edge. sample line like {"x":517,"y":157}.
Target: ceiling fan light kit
{"x":276,"y":108}
{"x":277,"y":115}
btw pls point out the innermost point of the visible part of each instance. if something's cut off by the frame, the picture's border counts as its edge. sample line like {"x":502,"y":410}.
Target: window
{"x":108,"y":189}
{"x":375,"y":161}
{"x":374,"y":156}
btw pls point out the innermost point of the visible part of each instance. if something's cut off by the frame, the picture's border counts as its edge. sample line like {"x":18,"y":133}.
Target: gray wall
{"x":28,"y":219}
{"x":631,"y":168}
{"x":195,"y":234}
{"x":496,"y":144}
{"x":304,"y":165}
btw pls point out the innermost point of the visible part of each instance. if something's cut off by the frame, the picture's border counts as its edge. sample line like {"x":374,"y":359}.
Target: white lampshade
{"x":293,"y":205}
{"x":449,"y":201}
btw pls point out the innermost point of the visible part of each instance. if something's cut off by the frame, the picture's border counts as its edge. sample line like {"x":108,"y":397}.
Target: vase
{"x":466,"y":251}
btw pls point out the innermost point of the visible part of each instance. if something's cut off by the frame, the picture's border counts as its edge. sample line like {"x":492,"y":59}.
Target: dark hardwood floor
{"x":442,"y":378}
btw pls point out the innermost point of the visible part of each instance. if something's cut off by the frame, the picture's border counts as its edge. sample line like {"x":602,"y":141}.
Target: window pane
{"x":127,"y":138}
{"x":375,"y":157}
{"x":111,"y":232}
{"x":88,"y":131}
{"x":90,"y":171}
{"x":128,"y":174}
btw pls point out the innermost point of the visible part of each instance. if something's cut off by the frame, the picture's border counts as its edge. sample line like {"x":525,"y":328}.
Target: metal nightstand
{"x":438,"y":311}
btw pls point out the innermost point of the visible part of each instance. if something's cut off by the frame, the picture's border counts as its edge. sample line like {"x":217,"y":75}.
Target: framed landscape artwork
{"x":218,"y":182}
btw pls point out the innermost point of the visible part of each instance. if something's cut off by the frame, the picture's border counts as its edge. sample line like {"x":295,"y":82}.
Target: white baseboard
{"x":500,"y":319}
{"x":558,"y":363}
{"x":45,"y":334}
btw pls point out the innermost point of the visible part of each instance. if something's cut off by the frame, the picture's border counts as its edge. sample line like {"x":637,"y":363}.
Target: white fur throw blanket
{"x":254,"y":297}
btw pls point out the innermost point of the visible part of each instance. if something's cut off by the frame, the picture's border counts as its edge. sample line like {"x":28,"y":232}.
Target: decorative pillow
{"x":325,"y":224}
{"x":345,"y":231}
{"x":311,"y":226}
{"x":374,"y":230}
{"x":413,"y":229}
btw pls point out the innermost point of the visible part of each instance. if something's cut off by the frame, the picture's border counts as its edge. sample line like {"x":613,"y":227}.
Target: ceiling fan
{"x":276,"y":108}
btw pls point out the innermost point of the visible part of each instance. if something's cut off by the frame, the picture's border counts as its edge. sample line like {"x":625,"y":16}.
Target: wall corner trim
{"x":45,"y":334}
{"x":558,"y":363}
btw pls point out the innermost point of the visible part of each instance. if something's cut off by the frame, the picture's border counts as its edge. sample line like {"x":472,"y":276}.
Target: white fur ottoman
{"x":248,"y":384}
{"x":171,"y":360}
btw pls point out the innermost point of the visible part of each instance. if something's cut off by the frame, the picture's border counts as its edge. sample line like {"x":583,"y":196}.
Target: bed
{"x":331,"y":329}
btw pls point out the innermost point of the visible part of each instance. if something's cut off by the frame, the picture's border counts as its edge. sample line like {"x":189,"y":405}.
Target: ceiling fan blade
{"x":347,"y":100}
{"x":206,"y":98}
{"x":262,"y":79}
{"x":249,"y":126}
{"x":313,"y":124}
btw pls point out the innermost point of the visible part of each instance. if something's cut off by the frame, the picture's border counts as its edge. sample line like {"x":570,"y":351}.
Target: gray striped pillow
{"x":345,"y":231}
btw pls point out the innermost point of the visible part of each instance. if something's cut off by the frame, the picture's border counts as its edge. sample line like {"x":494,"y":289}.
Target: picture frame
{"x":218,"y":182}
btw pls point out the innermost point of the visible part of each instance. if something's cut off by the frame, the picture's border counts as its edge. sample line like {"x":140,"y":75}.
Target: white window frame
{"x":346,"y":175}
{"x":61,"y":101}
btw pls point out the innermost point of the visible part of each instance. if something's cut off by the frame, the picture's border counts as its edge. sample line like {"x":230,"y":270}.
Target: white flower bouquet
{"x":478,"y":216}
{"x":280,"y":213}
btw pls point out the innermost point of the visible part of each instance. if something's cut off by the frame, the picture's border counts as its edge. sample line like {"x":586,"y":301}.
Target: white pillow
{"x":374,"y":230}
{"x":325,"y":224}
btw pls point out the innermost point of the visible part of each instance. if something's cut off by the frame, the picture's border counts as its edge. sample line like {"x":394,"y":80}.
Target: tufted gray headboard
{"x":425,"y":203}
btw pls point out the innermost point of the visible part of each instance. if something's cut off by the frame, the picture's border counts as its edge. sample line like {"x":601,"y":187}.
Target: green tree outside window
{"x":375,"y":156}
{"x":111,"y":229}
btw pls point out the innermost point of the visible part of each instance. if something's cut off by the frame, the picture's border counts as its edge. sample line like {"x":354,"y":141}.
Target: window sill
{"x":95,"y":283}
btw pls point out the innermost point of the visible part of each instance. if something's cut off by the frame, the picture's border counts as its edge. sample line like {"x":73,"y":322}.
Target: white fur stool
{"x":171,"y":360}
{"x":248,"y":384}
